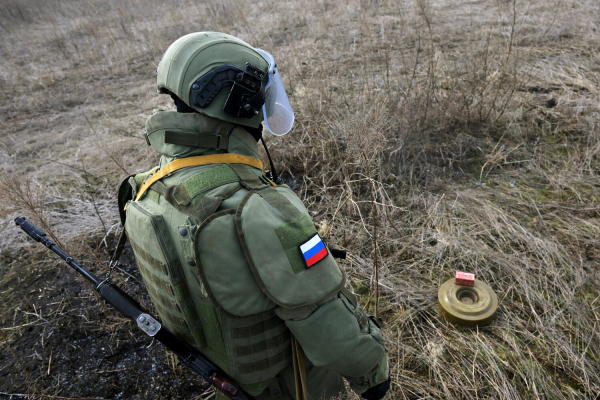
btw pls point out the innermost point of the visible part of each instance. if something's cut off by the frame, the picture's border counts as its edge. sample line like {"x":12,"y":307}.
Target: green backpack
{"x":218,"y":247}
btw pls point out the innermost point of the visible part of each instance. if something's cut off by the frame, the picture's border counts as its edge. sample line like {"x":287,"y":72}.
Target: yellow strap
{"x":199,"y":160}
{"x":299,"y":369}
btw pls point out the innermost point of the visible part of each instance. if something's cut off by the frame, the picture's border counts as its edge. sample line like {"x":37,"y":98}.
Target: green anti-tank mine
{"x":468,"y":305}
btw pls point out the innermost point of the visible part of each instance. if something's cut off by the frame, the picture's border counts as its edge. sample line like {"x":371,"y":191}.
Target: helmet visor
{"x":277,"y":111}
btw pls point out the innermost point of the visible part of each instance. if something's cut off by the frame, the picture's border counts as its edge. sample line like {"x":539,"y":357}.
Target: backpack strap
{"x":204,"y":207}
{"x":248,"y":179}
{"x":266,"y":189}
{"x":186,"y":192}
{"x":199,"y":160}
{"x":186,"y":198}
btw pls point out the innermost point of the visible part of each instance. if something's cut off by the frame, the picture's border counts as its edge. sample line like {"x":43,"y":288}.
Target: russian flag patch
{"x":313,"y":251}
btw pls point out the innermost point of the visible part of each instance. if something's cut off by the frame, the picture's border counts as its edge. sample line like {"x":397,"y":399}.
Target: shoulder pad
{"x":223,"y":268}
{"x":289,"y":260}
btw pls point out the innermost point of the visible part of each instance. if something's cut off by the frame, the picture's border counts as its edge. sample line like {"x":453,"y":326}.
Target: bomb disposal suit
{"x":232,"y":261}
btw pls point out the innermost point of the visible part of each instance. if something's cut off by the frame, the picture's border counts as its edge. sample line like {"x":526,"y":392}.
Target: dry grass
{"x":473,"y":124}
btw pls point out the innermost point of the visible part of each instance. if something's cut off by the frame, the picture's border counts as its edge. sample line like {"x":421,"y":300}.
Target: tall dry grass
{"x":431,"y":136}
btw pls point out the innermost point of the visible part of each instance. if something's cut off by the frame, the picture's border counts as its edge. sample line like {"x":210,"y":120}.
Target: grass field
{"x":430,"y":136}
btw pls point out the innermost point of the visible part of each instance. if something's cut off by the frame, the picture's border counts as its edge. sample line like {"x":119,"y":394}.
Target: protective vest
{"x":219,"y":249}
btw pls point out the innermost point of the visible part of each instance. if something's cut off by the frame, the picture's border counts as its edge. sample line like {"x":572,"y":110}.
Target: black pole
{"x":274,"y":175}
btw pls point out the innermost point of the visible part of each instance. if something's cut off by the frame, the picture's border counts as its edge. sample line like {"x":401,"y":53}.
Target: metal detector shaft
{"x":39,"y":236}
{"x":127,"y":306}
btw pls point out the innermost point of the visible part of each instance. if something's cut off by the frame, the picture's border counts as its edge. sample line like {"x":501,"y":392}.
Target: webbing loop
{"x":199,"y":160}
{"x":209,"y":141}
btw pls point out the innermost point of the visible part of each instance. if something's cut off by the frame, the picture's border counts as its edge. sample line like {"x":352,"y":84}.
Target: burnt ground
{"x":60,"y":340}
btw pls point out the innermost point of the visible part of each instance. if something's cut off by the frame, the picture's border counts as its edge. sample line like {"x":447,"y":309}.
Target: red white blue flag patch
{"x":313,"y":250}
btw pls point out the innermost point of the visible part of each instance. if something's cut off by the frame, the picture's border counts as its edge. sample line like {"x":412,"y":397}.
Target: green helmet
{"x":217,"y":75}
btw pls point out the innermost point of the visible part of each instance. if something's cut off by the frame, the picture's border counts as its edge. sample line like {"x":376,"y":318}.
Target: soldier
{"x":232,"y":261}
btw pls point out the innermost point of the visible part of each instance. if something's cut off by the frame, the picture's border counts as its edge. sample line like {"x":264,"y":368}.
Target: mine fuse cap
{"x":464,"y":279}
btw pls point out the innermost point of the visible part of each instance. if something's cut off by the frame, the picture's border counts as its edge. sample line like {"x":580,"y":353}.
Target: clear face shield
{"x":277,"y":111}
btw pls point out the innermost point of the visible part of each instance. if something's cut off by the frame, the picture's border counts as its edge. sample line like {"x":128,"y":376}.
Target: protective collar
{"x":162,"y":125}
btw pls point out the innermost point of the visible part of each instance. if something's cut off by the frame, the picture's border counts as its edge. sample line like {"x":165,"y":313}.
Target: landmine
{"x":471,"y":304}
